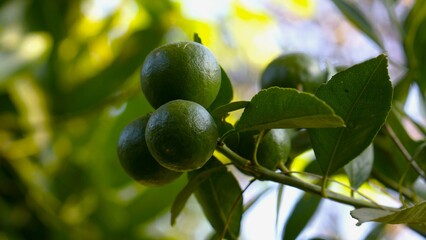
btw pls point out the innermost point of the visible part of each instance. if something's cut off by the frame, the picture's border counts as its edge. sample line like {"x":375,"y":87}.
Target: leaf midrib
{"x":347,"y":117}
{"x":216,"y":200}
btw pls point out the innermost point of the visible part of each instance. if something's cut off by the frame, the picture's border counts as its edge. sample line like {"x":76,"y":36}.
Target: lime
{"x":274,"y":147}
{"x":181,"y":135}
{"x":294,"y":70}
{"x":183,"y":70}
{"x":136,"y":159}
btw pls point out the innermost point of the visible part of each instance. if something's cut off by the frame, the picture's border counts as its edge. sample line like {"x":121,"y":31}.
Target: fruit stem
{"x":324,"y":186}
{"x":266,"y":174}
{"x":226,"y":134}
{"x":256,"y":147}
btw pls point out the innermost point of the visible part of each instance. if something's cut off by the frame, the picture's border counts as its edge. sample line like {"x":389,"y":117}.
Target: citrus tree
{"x":81,"y":159}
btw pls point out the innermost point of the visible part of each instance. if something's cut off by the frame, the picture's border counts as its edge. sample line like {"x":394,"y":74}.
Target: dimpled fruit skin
{"x":136,"y":159}
{"x":181,"y":135}
{"x":273,"y":149}
{"x":293,"y":69}
{"x":183,"y":70}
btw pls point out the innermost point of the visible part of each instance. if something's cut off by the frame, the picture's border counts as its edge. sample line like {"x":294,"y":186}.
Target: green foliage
{"x":221,"y":200}
{"x":72,"y":87}
{"x":359,"y":169}
{"x":362,"y":96}
{"x":415,"y":215}
{"x":286,"y":108}
{"x":301,"y":215}
{"x":357,"y":18}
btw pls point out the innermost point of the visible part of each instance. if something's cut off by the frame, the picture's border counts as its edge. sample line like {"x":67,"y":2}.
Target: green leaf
{"x":415,"y":38}
{"x":360,"y":168}
{"x":411,"y":215}
{"x":362,"y":96}
{"x":230,"y":107}
{"x":389,"y":162}
{"x":217,"y":196}
{"x":153,"y":201}
{"x":277,"y":107}
{"x":226,"y":92}
{"x":187,"y":191}
{"x":280,"y":195}
{"x":357,"y":18}
{"x":300,"y":216}
{"x":377,"y":232}
{"x":251,"y":202}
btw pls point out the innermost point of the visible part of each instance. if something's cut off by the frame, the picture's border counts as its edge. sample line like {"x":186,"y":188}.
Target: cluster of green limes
{"x":180,"y":80}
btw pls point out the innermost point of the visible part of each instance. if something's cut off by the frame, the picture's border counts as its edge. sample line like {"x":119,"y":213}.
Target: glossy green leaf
{"x":187,"y":191}
{"x":300,"y":216}
{"x":357,"y":18}
{"x":359,"y":169}
{"x":226,"y":92}
{"x":217,"y":196}
{"x":362,"y":96}
{"x":413,"y":215}
{"x":277,"y":107}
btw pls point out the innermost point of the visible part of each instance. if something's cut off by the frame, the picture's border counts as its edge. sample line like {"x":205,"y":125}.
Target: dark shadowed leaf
{"x":187,"y":191}
{"x":277,"y":107}
{"x":413,"y":215}
{"x":226,"y":93}
{"x":362,"y":96}
{"x":360,"y":168}
{"x":357,"y":18}
{"x":300,"y":216}
{"x":376,"y":233}
{"x":217,"y":196}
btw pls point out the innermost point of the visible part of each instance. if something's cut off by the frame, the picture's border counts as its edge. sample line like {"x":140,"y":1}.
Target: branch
{"x":263,"y":173}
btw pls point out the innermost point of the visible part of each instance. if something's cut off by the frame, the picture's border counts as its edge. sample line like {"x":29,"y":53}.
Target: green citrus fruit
{"x":136,"y":159}
{"x":181,"y":135}
{"x":183,"y":70}
{"x":294,"y":70}
{"x":273,"y":148}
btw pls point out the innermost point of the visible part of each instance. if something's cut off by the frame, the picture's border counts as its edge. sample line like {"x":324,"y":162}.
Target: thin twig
{"x":404,"y":151}
{"x":234,"y":205}
{"x":342,"y":184}
{"x":266,"y":174}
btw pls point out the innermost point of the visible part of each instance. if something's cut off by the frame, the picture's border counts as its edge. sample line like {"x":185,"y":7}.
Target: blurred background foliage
{"x":69,"y":83}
